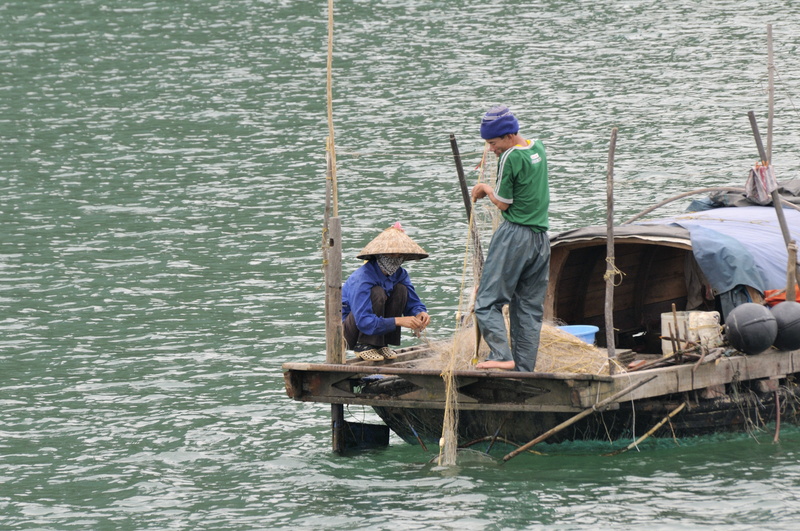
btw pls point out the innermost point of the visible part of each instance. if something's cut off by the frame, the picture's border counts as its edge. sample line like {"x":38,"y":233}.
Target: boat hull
{"x":748,"y":412}
{"x":730,"y":393}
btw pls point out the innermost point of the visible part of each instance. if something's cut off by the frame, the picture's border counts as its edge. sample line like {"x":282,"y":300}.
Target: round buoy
{"x":751,"y":328}
{"x":787,"y":315}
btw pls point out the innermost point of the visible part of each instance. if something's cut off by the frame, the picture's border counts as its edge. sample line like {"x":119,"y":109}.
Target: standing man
{"x":517,"y":266}
{"x":379,"y":298}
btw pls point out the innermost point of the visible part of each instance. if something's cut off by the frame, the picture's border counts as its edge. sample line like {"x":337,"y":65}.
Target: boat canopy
{"x":740,"y":246}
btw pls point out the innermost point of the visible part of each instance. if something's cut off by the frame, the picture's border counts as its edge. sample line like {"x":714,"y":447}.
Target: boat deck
{"x":400,"y":383}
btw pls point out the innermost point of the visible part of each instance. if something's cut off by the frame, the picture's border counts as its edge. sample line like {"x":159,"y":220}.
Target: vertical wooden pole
{"x":476,"y":239}
{"x":461,"y":177}
{"x":791,"y":247}
{"x":334,"y":331}
{"x":791,"y":274}
{"x":776,"y":198}
{"x":776,"y":203}
{"x":329,"y":94}
{"x":610,"y":275}
{"x":332,"y":254}
{"x":771,"y":76}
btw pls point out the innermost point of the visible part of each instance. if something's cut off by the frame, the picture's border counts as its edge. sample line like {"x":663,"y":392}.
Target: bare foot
{"x":506,"y":365}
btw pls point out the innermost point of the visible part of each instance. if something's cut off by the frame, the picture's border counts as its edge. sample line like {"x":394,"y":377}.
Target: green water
{"x":161,"y":197}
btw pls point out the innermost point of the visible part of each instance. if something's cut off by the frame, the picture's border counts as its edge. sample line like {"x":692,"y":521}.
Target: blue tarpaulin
{"x":739,"y":246}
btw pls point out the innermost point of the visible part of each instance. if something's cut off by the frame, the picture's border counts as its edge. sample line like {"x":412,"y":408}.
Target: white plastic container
{"x":703,"y":327}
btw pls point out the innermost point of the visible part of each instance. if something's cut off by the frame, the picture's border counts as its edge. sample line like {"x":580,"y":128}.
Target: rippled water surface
{"x":161,"y":198}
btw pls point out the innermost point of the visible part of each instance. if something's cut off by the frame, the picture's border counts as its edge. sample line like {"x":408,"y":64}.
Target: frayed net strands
{"x":559,"y":352}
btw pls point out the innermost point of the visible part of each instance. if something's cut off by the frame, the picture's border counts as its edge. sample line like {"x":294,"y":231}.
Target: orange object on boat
{"x":774,"y":296}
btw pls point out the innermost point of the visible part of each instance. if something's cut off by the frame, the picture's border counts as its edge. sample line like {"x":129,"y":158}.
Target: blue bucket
{"x":583,"y":332}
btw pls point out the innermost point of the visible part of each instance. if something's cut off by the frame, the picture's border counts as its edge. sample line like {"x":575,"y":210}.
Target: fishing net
{"x":450,"y":354}
{"x":559,"y":352}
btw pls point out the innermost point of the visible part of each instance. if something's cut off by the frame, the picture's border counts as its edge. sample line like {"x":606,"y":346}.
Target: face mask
{"x":389,"y":264}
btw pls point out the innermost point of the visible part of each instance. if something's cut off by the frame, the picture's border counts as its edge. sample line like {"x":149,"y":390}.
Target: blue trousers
{"x":516,"y":273}
{"x":382,"y":306}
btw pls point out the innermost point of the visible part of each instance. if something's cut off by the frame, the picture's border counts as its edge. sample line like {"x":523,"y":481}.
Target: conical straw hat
{"x":393,"y":240}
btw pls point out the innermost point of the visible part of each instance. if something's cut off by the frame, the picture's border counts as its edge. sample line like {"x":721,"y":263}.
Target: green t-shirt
{"x":522,"y":183}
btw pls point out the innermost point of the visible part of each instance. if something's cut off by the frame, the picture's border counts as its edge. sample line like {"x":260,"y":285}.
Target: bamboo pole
{"x":776,"y":439}
{"x":473,"y":226}
{"x":610,"y":267}
{"x":329,"y":94}
{"x":497,"y":433}
{"x":771,"y":76}
{"x":414,"y":432}
{"x":677,"y":328}
{"x":337,"y":428}
{"x":332,"y":229}
{"x":461,"y":177}
{"x":791,"y":273}
{"x":776,"y":201}
{"x":791,"y":278}
{"x":650,"y":432}
{"x":734,"y":189}
{"x":332,"y":254}
{"x":572,"y":420}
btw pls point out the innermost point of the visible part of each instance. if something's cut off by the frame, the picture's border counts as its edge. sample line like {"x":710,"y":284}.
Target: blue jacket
{"x":356,"y":298}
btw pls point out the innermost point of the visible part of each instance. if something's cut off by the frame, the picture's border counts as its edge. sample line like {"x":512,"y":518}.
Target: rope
{"x":613,"y":272}
{"x":415,"y":154}
{"x":448,"y":443}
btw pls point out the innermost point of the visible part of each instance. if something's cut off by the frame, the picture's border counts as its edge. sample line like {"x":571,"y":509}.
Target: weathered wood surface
{"x":334,"y":330}
{"x":578,"y":291}
{"x":408,"y":387}
{"x":420,"y":388}
{"x":687,"y":377}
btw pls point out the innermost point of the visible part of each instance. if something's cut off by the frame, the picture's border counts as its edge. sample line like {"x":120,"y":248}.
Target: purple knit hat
{"x":498,"y":121}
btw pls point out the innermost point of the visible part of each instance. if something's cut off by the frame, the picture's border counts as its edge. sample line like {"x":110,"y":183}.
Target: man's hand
{"x":480,"y":190}
{"x":484,"y":190}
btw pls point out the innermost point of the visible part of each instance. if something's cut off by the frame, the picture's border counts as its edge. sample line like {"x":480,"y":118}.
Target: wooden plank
{"x":436,"y":404}
{"x":641,"y":281}
{"x":581,"y":293}
{"x":539,"y":393}
{"x":336,"y":384}
{"x":387,"y":369}
{"x":667,"y":280}
{"x":679,"y":379}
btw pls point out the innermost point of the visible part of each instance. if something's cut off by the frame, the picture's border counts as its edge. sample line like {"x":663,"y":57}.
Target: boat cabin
{"x":699,"y":261}
{"x":654,"y":275}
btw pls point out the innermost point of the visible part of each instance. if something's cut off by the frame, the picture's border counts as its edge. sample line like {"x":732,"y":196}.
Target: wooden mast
{"x":332,"y":254}
{"x":610,"y":267}
{"x":771,"y":92}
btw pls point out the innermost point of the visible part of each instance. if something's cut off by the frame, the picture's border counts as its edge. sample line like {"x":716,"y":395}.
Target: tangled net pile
{"x":559,"y":352}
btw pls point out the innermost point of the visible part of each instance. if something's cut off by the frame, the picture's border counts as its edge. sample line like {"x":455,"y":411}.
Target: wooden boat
{"x":662,"y":261}
{"x":672,"y":264}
